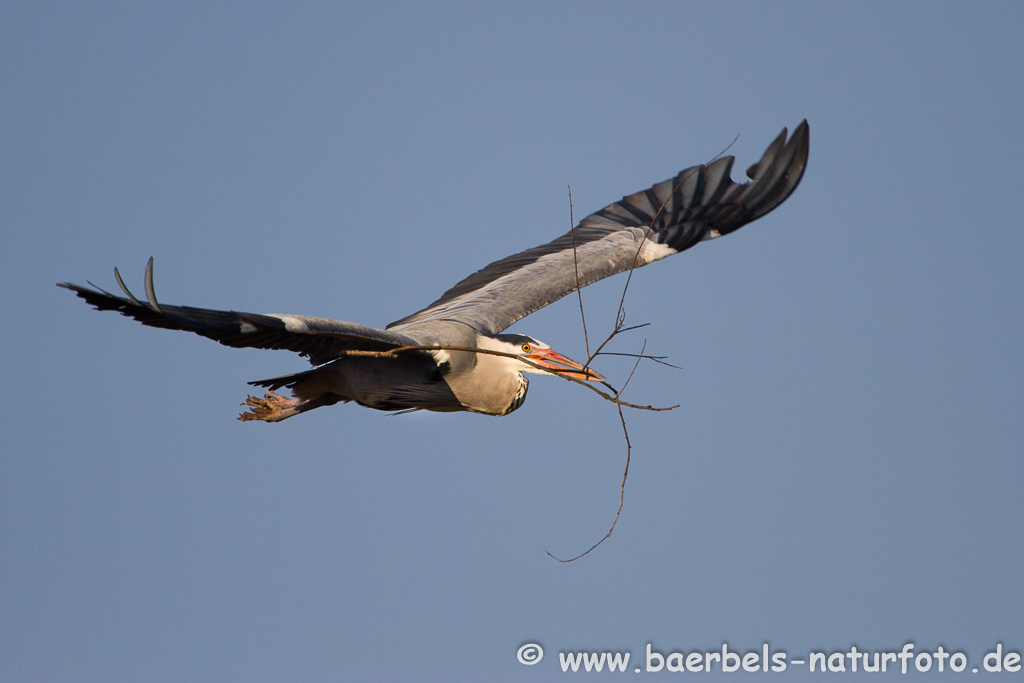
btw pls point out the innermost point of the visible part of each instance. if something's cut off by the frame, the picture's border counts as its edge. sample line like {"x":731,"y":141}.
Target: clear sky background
{"x":844,"y":467}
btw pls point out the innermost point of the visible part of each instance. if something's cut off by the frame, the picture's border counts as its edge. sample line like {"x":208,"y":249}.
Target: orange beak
{"x":550,"y":359}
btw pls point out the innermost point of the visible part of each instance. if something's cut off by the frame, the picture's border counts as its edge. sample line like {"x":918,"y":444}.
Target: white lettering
{"x":593,"y":661}
{"x":998,"y":656}
{"x":570,"y":660}
{"x":618,"y":660}
{"x":651,"y":654}
{"x":853,"y":654}
{"x":906,"y":653}
{"x":726,"y":655}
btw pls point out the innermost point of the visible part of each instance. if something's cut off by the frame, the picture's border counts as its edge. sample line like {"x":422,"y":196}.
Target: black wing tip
{"x":78,"y":288}
{"x":801,"y":133}
{"x":799,"y":144}
{"x":795,"y":154}
{"x":86,"y":293}
{"x":95,"y":297}
{"x":148,"y":313}
{"x":801,"y":139}
{"x":117,"y":276}
{"x":777,"y":174}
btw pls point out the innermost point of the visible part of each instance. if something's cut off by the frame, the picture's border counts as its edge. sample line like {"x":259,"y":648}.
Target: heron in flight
{"x":700,"y":203}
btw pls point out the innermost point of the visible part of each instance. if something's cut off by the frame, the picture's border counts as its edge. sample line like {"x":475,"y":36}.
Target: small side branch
{"x":576,"y":266}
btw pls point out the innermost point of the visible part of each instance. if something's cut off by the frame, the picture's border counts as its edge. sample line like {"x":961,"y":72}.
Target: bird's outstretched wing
{"x":320,"y":339}
{"x":701,"y":202}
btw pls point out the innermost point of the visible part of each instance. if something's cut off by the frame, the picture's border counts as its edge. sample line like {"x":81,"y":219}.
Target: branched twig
{"x":620,"y":319}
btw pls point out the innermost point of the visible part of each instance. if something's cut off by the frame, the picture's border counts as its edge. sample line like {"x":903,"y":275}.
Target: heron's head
{"x":543,"y":355}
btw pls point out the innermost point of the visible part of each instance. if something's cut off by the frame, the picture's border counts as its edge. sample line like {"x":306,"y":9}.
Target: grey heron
{"x":700,"y":203}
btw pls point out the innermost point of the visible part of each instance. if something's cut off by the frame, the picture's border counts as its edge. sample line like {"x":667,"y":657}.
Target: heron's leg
{"x":274,"y":407}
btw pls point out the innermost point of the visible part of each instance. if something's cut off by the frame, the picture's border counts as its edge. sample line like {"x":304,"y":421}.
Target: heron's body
{"x":376,"y":368}
{"x":434,"y":380}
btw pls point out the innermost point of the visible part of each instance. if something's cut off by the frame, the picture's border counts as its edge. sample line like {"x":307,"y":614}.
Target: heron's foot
{"x":271,"y":408}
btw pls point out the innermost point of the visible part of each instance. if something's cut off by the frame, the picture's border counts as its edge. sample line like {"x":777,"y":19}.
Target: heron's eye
{"x":526,"y":348}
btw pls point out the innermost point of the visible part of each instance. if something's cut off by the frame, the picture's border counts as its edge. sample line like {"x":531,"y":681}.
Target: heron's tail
{"x":275,"y":383}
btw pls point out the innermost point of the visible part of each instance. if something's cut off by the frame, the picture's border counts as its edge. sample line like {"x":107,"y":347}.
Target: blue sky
{"x":845,"y":464}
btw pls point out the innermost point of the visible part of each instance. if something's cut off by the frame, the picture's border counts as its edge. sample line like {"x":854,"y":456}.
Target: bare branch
{"x":620,"y":320}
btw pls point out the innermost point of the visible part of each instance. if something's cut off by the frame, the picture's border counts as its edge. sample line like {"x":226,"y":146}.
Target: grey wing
{"x":319,"y":339}
{"x":701,"y":202}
